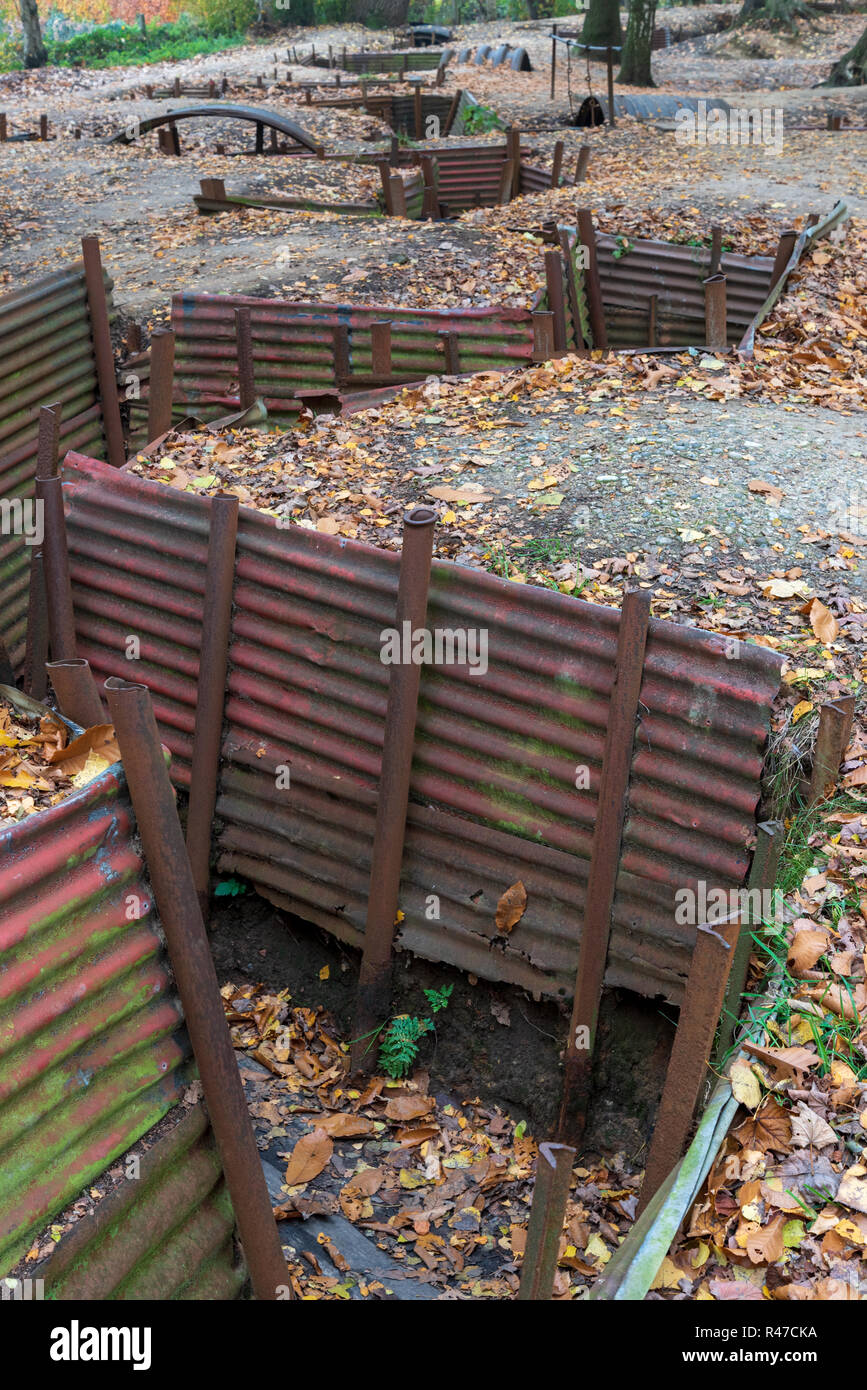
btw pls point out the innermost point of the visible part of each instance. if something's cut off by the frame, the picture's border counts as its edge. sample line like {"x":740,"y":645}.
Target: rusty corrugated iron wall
{"x":494,"y":793}
{"x":675,"y":274}
{"x":167,"y":1234}
{"x":293,"y":347}
{"x":46,"y":355}
{"x":394,"y":60}
{"x":92,"y":1046}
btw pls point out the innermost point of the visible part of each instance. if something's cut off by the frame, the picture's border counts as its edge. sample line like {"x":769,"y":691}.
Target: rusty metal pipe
{"x":595,"y":306}
{"x":211,"y":689}
{"x":244,"y":349}
{"x":581,"y":163}
{"x":785,"y":247}
{"x":75,"y":688}
{"x":374,"y":985}
{"x":550,"y":1194}
{"x":58,"y":590}
{"x":175,"y":894}
{"x":34,"y":679}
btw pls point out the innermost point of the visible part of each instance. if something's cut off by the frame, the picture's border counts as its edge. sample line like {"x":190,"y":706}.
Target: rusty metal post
{"x":385,"y":179}
{"x":504,"y":192}
{"x":106,"y":374}
{"x":176,"y":87}
{"x":75,"y":688}
{"x":48,"y":440}
{"x":715,"y":250}
{"x":7,"y":674}
{"x":340,"y":349}
{"x":244,"y":350}
{"x":513,"y":153}
{"x":374,"y":985}
{"x":211,"y":689}
{"x":595,"y":307}
{"x":398,"y":196}
{"x":380,"y":347}
{"x":762,"y":877}
{"x":58,"y":590}
{"x":690,"y":1052}
{"x":604,"y":863}
{"x":553,"y":63}
{"x":557,"y":164}
{"x":161,"y":383}
{"x":34,"y":679}
{"x":550,"y":1195}
{"x":835,"y":728}
{"x":451,"y":353}
{"x":3,"y":127}
{"x":581,"y":163}
{"x":430,"y":201}
{"x":715,"y":314}
{"x":174,"y":891}
{"x":133,"y":339}
{"x":555,"y":290}
{"x":543,"y":335}
{"x":609,"y":60}
{"x":452,"y":111}
{"x":653,"y":320}
{"x":43,"y":127}
{"x":417,"y":114}
{"x":785,"y":246}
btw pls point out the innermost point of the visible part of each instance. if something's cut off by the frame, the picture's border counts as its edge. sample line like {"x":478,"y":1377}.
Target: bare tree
{"x":385,"y":14}
{"x":635,"y":61}
{"x":35,"y":55}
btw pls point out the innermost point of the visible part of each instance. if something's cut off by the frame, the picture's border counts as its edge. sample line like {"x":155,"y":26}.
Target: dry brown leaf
{"x":511,"y":907}
{"x":823,"y":622}
{"x":405,"y":1108}
{"x":311,"y":1154}
{"x":807,"y":947}
{"x":340,"y":1126}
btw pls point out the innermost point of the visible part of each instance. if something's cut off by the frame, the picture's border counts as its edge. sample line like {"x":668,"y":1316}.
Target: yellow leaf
{"x":325,"y":972}
{"x":745,"y":1085}
{"x":449,"y":517}
{"x":801,"y":708}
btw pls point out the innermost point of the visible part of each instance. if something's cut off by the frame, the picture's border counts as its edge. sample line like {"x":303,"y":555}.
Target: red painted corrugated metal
{"x":92,"y":1051}
{"x":46,"y":356}
{"x":494,"y":779}
{"x":294,"y":352}
{"x":167,"y":1234}
{"x":675,"y":274}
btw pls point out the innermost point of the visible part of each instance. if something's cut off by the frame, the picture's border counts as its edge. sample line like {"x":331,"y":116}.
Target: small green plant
{"x":229,"y":888}
{"x":478,"y":120}
{"x":398,"y":1047}
{"x":623,"y":247}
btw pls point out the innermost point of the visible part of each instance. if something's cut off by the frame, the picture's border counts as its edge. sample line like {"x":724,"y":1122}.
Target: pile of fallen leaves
{"x":38,"y":765}
{"x":444,"y":1188}
{"x":783,"y":1213}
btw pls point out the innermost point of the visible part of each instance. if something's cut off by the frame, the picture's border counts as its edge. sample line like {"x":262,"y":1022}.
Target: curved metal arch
{"x":271,"y":119}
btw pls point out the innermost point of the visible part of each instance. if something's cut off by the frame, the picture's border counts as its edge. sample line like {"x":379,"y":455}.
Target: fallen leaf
{"x":511,"y":907}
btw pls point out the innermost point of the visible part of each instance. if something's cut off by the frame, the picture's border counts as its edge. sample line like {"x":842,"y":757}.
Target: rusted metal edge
{"x":839,"y":213}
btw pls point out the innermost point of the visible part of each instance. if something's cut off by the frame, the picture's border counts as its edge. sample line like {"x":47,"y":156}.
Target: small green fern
{"x":399,"y":1047}
{"x":439,"y":998}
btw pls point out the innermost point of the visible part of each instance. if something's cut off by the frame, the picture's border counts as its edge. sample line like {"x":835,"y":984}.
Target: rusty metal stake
{"x":835,"y":728}
{"x":611,"y":810}
{"x":169,"y":868}
{"x":690,"y":1052}
{"x":785,"y":247}
{"x":513,"y":154}
{"x":595,"y":307}
{"x":244,"y":349}
{"x":581,"y":163}
{"x":555,"y":291}
{"x":161,"y":383}
{"x":34,"y":679}
{"x":762,"y":877}
{"x":102,"y":350}
{"x":49,"y":495}
{"x":76,"y":691}
{"x":550,"y":1195}
{"x":609,"y":59}
{"x":380,"y":347}
{"x":543,"y":335}
{"x":451,"y":353}
{"x":715,"y":314}
{"x":715,"y":250}
{"x":374,"y":985}
{"x":211,"y":689}
{"x":398,"y":196}
{"x":557,"y":164}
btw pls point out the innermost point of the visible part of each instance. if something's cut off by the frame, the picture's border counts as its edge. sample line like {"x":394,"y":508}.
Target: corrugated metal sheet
{"x":46,"y":355}
{"x":169,"y":1234}
{"x":294,"y":351}
{"x":413,"y":59}
{"x":92,"y":1051}
{"x":534,"y":180}
{"x":494,"y":781}
{"x":675,"y":274}
{"x":227,"y":111}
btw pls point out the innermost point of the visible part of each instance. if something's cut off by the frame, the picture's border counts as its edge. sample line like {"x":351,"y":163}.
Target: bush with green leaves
{"x":399,"y":1044}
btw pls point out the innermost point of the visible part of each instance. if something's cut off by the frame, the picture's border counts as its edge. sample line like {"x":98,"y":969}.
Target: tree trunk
{"x":382,"y":14}
{"x":851,"y":70}
{"x":635,"y":61}
{"x":748,"y":9}
{"x":35,"y":55}
{"x":602,"y":24}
